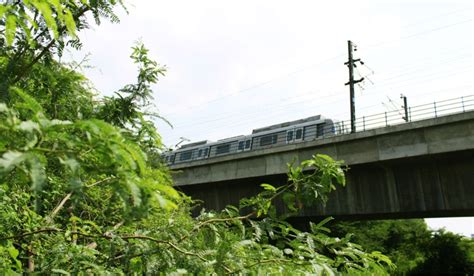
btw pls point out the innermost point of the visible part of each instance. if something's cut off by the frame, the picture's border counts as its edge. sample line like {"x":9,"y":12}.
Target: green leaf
{"x":340,"y":177}
{"x":30,"y":102}
{"x":3,"y":107}
{"x":47,"y":14}
{"x":325,"y":157}
{"x":60,"y":271}
{"x":168,"y":191}
{"x":13,"y":252}
{"x":28,"y":126}
{"x":289,"y":200}
{"x":268,"y":187}
{"x":135,"y":192}
{"x":55,"y":122}
{"x":37,"y":172}
{"x":320,"y":226}
{"x":70,"y":23}
{"x":138,"y":156}
{"x":10,"y":29}
{"x":11,"y":159}
{"x":3,"y":10}
{"x":26,"y":29}
{"x":57,"y":5}
{"x":164,"y":203}
{"x":75,"y":181}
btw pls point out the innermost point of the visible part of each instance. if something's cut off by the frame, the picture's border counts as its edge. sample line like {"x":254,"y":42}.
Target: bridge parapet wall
{"x":422,"y":138}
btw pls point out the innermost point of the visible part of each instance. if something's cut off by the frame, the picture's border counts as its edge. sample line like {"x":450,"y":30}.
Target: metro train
{"x":307,"y":129}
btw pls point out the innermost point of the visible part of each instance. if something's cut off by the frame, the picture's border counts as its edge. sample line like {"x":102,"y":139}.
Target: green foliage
{"x":59,"y":182}
{"x":126,"y":108}
{"x":308,"y":184}
{"x":34,"y":31}
{"x":55,"y":18}
{"x":83,"y":191}
{"x":412,"y":246}
{"x":447,"y":253}
{"x":309,"y":188}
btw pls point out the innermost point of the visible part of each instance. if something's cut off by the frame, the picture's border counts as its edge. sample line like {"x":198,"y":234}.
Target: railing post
{"x":436,"y":114}
{"x":409,"y":114}
{"x":343,"y":130}
{"x":386,"y":122}
{"x":462,"y":102}
{"x":363,"y":123}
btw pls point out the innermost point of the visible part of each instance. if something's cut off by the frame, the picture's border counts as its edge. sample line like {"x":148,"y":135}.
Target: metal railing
{"x":322,"y":131}
{"x":415,"y":113}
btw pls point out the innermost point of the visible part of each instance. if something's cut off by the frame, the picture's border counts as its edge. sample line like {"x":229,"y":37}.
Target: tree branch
{"x":200,"y":225}
{"x":101,"y":181}
{"x":50,"y":218}
{"x":25,"y":69}
{"x":109,"y":237}
{"x":263,"y":262}
{"x":43,"y":230}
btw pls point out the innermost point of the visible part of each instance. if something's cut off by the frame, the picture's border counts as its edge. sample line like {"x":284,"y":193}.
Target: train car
{"x":231,"y":145}
{"x":307,"y":129}
{"x":189,"y":152}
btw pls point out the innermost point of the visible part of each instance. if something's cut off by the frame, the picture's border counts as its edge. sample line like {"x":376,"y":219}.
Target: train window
{"x":186,"y":155}
{"x":247,"y":144}
{"x":206,"y":151}
{"x":289,"y":136}
{"x":221,"y":149}
{"x":241,"y":145}
{"x":320,"y":131}
{"x":299,"y":134}
{"x":199,"y":153}
{"x":268,"y":140}
{"x":172,"y":158}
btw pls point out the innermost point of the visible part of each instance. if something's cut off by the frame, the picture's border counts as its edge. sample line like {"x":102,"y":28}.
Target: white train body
{"x":308,"y":129}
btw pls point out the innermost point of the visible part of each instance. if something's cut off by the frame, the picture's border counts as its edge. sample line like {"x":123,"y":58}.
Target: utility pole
{"x":405,"y":107}
{"x":351,"y":64}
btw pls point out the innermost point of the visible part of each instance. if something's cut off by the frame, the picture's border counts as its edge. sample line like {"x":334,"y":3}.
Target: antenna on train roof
{"x":182,"y":139}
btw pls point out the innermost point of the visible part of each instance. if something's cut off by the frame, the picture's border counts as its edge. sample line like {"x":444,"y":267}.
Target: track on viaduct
{"x":418,"y":169}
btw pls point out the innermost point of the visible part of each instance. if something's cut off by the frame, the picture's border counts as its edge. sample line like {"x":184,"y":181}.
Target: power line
{"x":314,"y":65}
{"x":384,"y":82}
{"x":240,"y":91}
{"x":423,"y":67}
{"x":263,"y":118}
{"x":418,"y":34}
{"x":250,"y":117}
{"x":434,"y":17}
{"x":422,"y":77}
{"x":318,"y":98}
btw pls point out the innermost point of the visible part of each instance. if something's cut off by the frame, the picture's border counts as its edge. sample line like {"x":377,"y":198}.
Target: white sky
{"x":238,"y":65}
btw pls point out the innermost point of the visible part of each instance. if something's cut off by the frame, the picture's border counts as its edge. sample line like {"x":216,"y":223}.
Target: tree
{"x":78,"y":193}
{"x":446,"y":253}
{"x":413,"y":248}
{"x":35,"y":31}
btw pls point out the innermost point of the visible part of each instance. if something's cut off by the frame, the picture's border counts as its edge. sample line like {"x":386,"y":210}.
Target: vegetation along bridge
{"x":420,"y":168}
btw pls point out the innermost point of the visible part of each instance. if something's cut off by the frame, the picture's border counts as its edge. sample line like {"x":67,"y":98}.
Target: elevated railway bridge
{"x":420,"y":168}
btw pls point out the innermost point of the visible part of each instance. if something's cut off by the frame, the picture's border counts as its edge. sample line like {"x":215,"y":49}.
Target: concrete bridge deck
{"x":423,"y":168}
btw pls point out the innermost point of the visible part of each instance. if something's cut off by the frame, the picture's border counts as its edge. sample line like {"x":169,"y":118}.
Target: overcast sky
{"x":238,"y":65}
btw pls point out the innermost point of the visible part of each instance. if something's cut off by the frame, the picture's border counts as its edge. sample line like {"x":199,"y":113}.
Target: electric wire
{"x":228,"y":115}
{"x":418,"y":79}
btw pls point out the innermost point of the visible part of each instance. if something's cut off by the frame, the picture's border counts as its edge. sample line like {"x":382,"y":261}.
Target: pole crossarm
{"x":354,"y":82}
